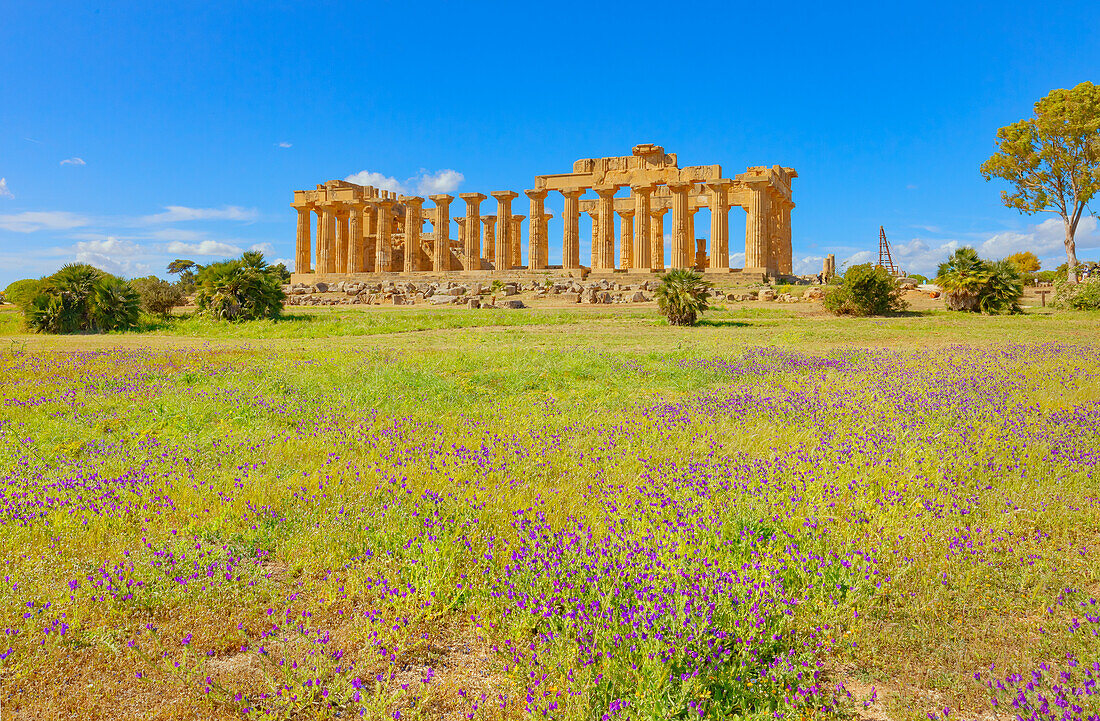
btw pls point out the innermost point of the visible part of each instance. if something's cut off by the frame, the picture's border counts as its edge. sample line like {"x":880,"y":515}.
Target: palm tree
{"x":682,"y":296}
{"x":962,"y":278}
{"x":246,"y":288}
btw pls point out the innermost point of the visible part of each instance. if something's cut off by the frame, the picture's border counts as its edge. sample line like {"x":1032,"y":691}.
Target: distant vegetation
{"x":973,"y":284}
{"x":864,"y":290}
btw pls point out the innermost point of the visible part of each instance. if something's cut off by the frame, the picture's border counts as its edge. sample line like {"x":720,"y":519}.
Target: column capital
{"x":386,"y":202}
{"x":643,"y":188}
{"x":627,"y":213}
{"x":505,"y":194}
{"x":657,"y":212}
{"x":413,"y":200}
{"x":519,"y":217}
{"x":473,"y":197}
{"x":488,"y":219}
{"x":593,"y":212}
{"x":721,"y":183}
{"x":547,"y":216}
{"x":606,"y":191}
{"x":441,"y":198}
{"x":572,"y":192}
{"x":302,"y":206}
{"x":680,"y":186}
{"x":536,"y":194}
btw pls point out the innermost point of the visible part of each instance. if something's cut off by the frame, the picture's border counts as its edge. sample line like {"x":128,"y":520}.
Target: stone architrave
{"x":571,"y":234}
{"x":594,"y":214}
{"x":682,"y":241}
{"x":441,"y":255}
{"x":472,"y":246}
{"x":342,"y":239}
{"x":719,"y":226}
{"x":355,"y":239}
{"x":536,"y":231}
{"x":605,"y":214}
{"x":302,"y":261}
{"x":517,"y":245}
{"x":642,"y":255}
{"x":756,"y":228}
{"x":414,"y":223}
{"x":504,"y":228}
{"x":657,"y":238}
{"x":490,"y":222}
{"x":626,"y":239}
{"x":383,"y":257}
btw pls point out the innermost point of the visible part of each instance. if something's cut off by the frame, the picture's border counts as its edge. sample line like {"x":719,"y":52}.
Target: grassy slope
{"x":577,"y":373}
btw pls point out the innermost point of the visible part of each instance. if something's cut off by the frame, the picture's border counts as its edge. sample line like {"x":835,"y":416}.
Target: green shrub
{"x":82,"y":298}
{"x":22,"y":292}
{"x":246,"y":288}
{"x":864,"y":290}
{"x":682,"y":296}
{"x":976,"y":285}
{"x":1078,"y":296}
{"x":159,"y":296}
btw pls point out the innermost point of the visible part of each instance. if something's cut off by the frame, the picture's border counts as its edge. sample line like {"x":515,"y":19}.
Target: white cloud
{"x":206,"y":247}
{"x":288,"y":262}
{"x":108,"y":246}
{"x":283,"y":144}
{"x":32,"y":221}
{"x":441,"y":181}
{"x":369,"y":177}
{"x":262,"y":247}
{"x":73,"y":161}
{"x":423,"y":183}
{"x":176,"y":213}
{"x":4,"y":192}
{"x":179,"y":234}
{"x":118,"y":266}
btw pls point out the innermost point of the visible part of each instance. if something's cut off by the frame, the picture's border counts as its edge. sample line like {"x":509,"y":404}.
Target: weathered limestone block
{"x":570,"y":297}
{"x":512,"y":304}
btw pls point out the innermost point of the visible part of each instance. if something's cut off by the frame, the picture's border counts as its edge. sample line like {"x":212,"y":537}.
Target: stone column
{"x":517,"y":245}
{"x":472,"y":248}
{"x":536,"y":231}
{"x":626,"y":239}
{"x":490,"y":222}
{"x":756,"y":228}
{"x":605,"y":208}
{"x":642,"y":256}
{"x":683,"y":244}
{"x":460,"y":221}
{"x":594,"y":214}
{"x":786,"y":252}
{"x":383,"y":257}
{"x":719,"y":226}
{"x":657,"y":238}
{"x":414,"y":223}
{"x":342,"y":239}
{"x":303,"y":245}
{"x":328,"y":240}
{"x":571,"y":234}
{"x":355,"y":239}
{"x":320,"y":238}
{"x":544,"y":240}
{"x":441,"y":257}
{"x":504,"y":228}
{"x":370,"y":237}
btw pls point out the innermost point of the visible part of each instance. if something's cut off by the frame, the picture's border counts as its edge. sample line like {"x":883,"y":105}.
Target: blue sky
{"x":132,"y":133}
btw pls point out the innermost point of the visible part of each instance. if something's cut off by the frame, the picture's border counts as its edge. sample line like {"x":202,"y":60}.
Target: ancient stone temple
{"x":365,"y":230}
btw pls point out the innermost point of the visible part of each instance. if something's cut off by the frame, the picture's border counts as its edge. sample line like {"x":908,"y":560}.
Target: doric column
{"x":369,"y":226}
{"x":544,"y":241}
{"x":342,"y":239}
{"x":383,"y":257}
{"x":504,"y":228}
{"x":719,"y":226}
{"x":328,"y":240}
{"x":320,"y":242}
{"x":355,"y":238}
{"x":605,"y":208}
{"x":594,"y":214}
{"x":626,"y":239}
{"x":657,"y":238}
{"x":683,"y":245}
{"x":756,"y":228}
{"x":490,"y":222}
{"x":303,"y":243}
{"x":517,"y":245}
{"x":460,"y":221}
{"x":472,"y":248}
{"x":441,"y":257}
{"x":786,"y":252}
{"x":414,"y":223}
{"x":642,"y":255}
{"x":536,"y":231}
{"x":571,"y":234}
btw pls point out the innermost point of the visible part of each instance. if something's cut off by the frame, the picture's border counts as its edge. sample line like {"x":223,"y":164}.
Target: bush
{"x":243,"y":289}
{"x":82,"y":298}
{"x":1078,"y":296}
{"x":682,"y":296}
{"x":864,"y":290}
{"x":22,"y":292}
{"x":159,"y":296}
{"x":976,"y":285}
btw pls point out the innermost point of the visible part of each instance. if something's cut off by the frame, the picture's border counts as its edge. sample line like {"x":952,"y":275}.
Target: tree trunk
{"x":1071,"y":252}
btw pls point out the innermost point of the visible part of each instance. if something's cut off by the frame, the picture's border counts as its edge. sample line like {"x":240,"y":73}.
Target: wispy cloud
{"x":423,"y":183}
{"x":31,"y":221}
{"x":283,"y":144}
{"x":73,"y":161}
{"x":4,"y":192}
{"x":177,"y":213}
{"x":204,"y":248}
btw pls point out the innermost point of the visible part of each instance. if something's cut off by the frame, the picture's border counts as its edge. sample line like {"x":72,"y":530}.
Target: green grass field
{"x":574,"y":514}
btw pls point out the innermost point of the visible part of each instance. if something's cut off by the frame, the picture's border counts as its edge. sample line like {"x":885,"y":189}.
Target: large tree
{"x":1052,"y":160}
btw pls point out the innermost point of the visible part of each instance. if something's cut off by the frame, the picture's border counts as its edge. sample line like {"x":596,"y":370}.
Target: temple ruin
{"x":366,"y":230}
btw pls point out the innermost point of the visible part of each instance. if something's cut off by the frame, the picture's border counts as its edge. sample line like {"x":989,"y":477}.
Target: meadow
{"x":569,"y":514}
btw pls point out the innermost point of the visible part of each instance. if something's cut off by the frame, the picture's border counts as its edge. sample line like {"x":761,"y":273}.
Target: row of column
{"x":355,"y":238}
